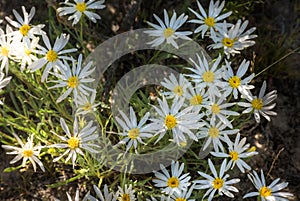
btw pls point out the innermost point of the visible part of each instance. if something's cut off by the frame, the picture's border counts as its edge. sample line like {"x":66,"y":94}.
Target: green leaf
{"x":11,"y":169}
{"x":62,"y":183}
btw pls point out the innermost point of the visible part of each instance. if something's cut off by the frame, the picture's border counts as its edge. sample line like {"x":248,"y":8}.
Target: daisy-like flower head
{"x":26,"y":151}
{"x":25,"y":29}
{"x":215,"y":132}
{"x":80,"y":7}
{"x":84,"y":105}
{"x":197,"y":96}
{"x":211,"y":20}
{"x":25,"y":53}
{"x":133,"y":131}
{"x":262,"y":105}
{"x":176,"y":182}
{"x":268,"y":192}
{"x":3,"y":82}
{"x":180,"y":122}
{"x":206,"y":75}
{"x":235,"y":83}
{"x":217,"y":182}
{"x":184,"y":195}
{"x":74,"y":79}
{"x":80,"y":140}
{"x":52,"y":55}
{"x":178,"y":88}
{"x":237,"y":151}
{"x":106,"y":196}
{"x":167,"y":31}
{"x":127,"y":194}
{"x":234,"y":39}
{"x":218,"y":110}
{"x":6,"y":48}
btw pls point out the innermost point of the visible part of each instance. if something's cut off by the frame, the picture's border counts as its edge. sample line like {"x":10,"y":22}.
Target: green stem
{"x":279,"y":60}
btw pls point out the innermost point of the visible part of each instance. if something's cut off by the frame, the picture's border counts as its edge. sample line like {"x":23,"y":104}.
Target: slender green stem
{"x":279,"y":60}
{"x":81,"y":30}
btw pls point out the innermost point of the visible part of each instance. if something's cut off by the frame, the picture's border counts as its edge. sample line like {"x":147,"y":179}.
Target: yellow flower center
{"x":178,"y":90}
{"x":218,"y":183}
{"x":196,"y":100}
{"x":73,"y":142}
{"x":81,"y":7}
{"x":27,"y":51}
{"x":208,"y":76}
{"x":24,"y":29}
{"x":234,"y":81}
{"x":168,"y":32}
{"x":4,"y":51}
{"x":215,"y":109}
{"x":134,"y":133}
{"x":180,"y":199}
{"x":87,"y":107}
{"x":265,"y":191}
{"x":234,"y":155}
{"x":173,"y":182}
{"x":257,"y":103}
{"x":228,"y":42}
{"x":27,"y":152}
{"x":182,"y":143}
{"x":125,"y":197}
{"x":213,"y":132}
{"x":51,"y":56}
{"x":73,"y":82}
{"x":210,"y":21}
{"x":170,"y":121}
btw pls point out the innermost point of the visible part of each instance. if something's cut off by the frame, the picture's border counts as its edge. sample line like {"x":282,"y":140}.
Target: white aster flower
{"x":270,"y":192}
{"x":23,"y":24}
{"x":126,"y":194}
{"x":74,"y":79}
{"x":85,"y":105}
{"x":184,"y":195}
{"x":106,"y":196}
{"x":218,"y":110}
{"x":176,"y":182}
{"x":217,"y":182}
{"x":7,"y":48}
{"x":167,"y":31}
{"x":210,"y":20}
{"x":214,"y":133}
{"x":133,"y":131}
{"x":81,"y":7}
{"x":3,"y":82}
{"x":235,"y":83}
{"x":80,"y":140}
{"x":25,"y":53}
{"x":262,"y":105}
{"x":197,"y":96}
{"x":180,"y":121}
{"x":234,"y":39}
{"x":178,"y":88}
{"x":27,"y":151}
{"x":52,"y":55}
{"x":237,"y":151}
{"x":206,"y":75}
